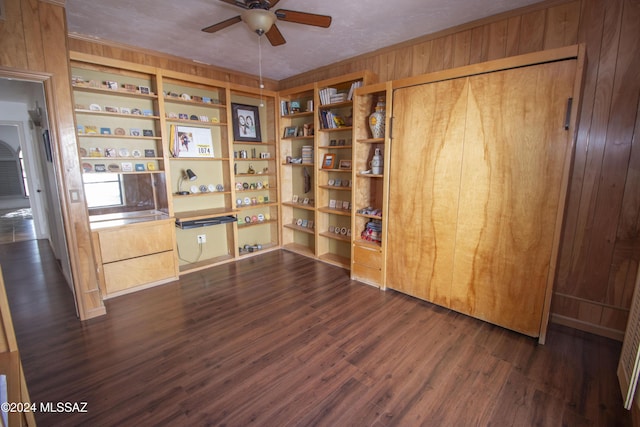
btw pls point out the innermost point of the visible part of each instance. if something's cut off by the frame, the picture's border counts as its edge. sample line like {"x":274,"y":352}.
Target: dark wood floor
{"x":280,"y":340}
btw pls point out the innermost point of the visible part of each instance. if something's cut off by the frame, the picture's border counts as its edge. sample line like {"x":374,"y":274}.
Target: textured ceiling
{"x":174,"y":27}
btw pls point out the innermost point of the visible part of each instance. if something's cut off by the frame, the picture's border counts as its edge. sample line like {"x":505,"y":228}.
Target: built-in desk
{"x":133,"y":251}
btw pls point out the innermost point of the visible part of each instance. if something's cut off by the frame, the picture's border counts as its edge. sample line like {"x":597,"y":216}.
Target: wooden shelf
{"x":299,"y":205}
{"x":204,"y":213}
{"x":300,"y":228}
{"x":118,"y":115}
{"x":335,"y":211}
{"x":340,"y":129}
{"x":337,"y":147}
{"x":195,"y":122}
{"x":172,"y":100}
{"x":371,"y":141}
{"x":111,"y":136}
{"x":253,"y":224}
{"x":335,"y":236}
{"x":114,"y":92}
{"x":254,"y":143}
{"x":334,"y":187}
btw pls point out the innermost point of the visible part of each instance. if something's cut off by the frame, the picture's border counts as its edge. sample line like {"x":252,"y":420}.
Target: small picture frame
{"x":149,"y":152}
{"x":139,"y":167}
{"x":100,"y":168}
{"x":328,"y":161}
{"x":332,"y":204}
{"x":151,"y":166}
{"x":346,"y":205}
{"x":110,"y":152}
{"x":125,"y":110}
{"x":344,"y":164}
{"x":110,"y":109}
{"x":126,"y":166}
{"x":290,"y":131}
{"x":144,"y":90}
{"x":294,"y":199}
{"x":135,"y":132}
{"x":129,"y":87}
{"x":105,"y":131}
{"x":112,"y":85}
{"x":147,"y":132}
{"x":305,"y":201}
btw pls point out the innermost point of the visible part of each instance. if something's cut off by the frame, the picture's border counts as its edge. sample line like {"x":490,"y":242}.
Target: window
{"x":102,"y":190}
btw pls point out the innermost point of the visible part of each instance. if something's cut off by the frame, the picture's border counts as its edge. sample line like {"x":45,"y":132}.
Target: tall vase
{"x":376,"y":120}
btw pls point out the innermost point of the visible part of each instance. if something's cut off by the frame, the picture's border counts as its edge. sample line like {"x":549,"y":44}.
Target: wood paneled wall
{"x":166,"y":62}
{"x":600,"y":247}
{"x":33,"y":46}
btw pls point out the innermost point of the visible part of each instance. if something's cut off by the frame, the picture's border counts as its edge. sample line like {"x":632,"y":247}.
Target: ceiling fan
{"x":258,"y":16}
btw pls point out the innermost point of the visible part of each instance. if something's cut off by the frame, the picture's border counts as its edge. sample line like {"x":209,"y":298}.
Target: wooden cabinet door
{"x":515,"y":149}
{"x":428,"y":133}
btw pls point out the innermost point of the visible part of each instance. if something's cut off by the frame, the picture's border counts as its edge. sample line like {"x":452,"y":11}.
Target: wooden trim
{"x":558,"y":54}
{"x":61,"y":3}
{"x":587,"y":327}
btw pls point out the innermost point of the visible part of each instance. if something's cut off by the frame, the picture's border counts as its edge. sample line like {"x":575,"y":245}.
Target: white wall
{"x":12,"y":111}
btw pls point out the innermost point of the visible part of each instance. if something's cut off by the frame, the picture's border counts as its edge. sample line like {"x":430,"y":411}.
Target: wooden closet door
{"x":514,"y":157}
{"x":428,"y":131}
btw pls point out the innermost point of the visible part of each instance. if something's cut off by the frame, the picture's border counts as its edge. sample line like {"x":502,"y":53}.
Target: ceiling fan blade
{"x":222,"y":25}
{"x":304,"y":18}
{"x":237,"y":3}
{"x":275,"y":36}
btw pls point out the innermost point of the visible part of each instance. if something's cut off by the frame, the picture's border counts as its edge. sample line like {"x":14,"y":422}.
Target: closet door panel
{"x":428,"y":133}
{"x":513,"y":162}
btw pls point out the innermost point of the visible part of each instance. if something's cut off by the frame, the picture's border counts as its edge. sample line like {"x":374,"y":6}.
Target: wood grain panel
{"x":462,"y":49}
{"x":125,"y":274}
{"x":33,"y":34}
{"x":13,"y":50}
{"x":423,"y":189}
{"x":142,"y":239}
{"x":514,"y":159}
{"x":497,"y":43}
{"x":562,"y":25}
{"x":532,"y":27}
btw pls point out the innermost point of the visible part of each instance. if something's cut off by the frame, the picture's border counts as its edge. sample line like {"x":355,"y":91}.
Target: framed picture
{"x":144,"y":90}
{"x":344,"y":164}
{"x":329,"y":160}
{"x":190,"y":141}
{"x":290,"y":131}
{"x":246,"y":123}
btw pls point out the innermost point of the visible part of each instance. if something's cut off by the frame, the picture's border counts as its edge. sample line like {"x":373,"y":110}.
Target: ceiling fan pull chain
{"x":260,"y":68}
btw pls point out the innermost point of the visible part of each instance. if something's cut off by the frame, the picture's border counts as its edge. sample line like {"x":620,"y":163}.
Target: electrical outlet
{"x":202,"y":238}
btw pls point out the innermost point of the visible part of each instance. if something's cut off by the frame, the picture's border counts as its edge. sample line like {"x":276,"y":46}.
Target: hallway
{"x":16,"y":225}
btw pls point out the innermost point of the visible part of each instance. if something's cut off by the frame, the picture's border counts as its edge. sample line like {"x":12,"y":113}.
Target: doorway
{"x":36,"y":212}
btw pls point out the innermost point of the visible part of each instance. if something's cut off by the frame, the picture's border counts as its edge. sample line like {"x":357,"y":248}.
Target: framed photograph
{"x":344,"y":164}
{"x":135,"y":132}
{"x":246,"y":123}
{"x":290,"y":131}
{"x":110,"y":109}
{"x":144,"y":90}
{"x":190,"y":141}
{"x":125,"y":110}
{"x":294,"y":199}
{"x":328,"y":161}
{"x":105,"y":131}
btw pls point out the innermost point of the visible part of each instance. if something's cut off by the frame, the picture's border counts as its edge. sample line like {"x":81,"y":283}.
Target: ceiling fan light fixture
{"x":259,"y":20}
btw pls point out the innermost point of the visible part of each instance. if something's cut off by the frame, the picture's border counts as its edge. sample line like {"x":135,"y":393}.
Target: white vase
{"x":376,"y":120}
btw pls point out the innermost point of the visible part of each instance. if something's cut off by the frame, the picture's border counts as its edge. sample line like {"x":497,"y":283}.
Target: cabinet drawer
{"x":366,"y":274}
{"x":135,"y":241}
{"x":138,"y":271}
{"x":371,"y":257}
